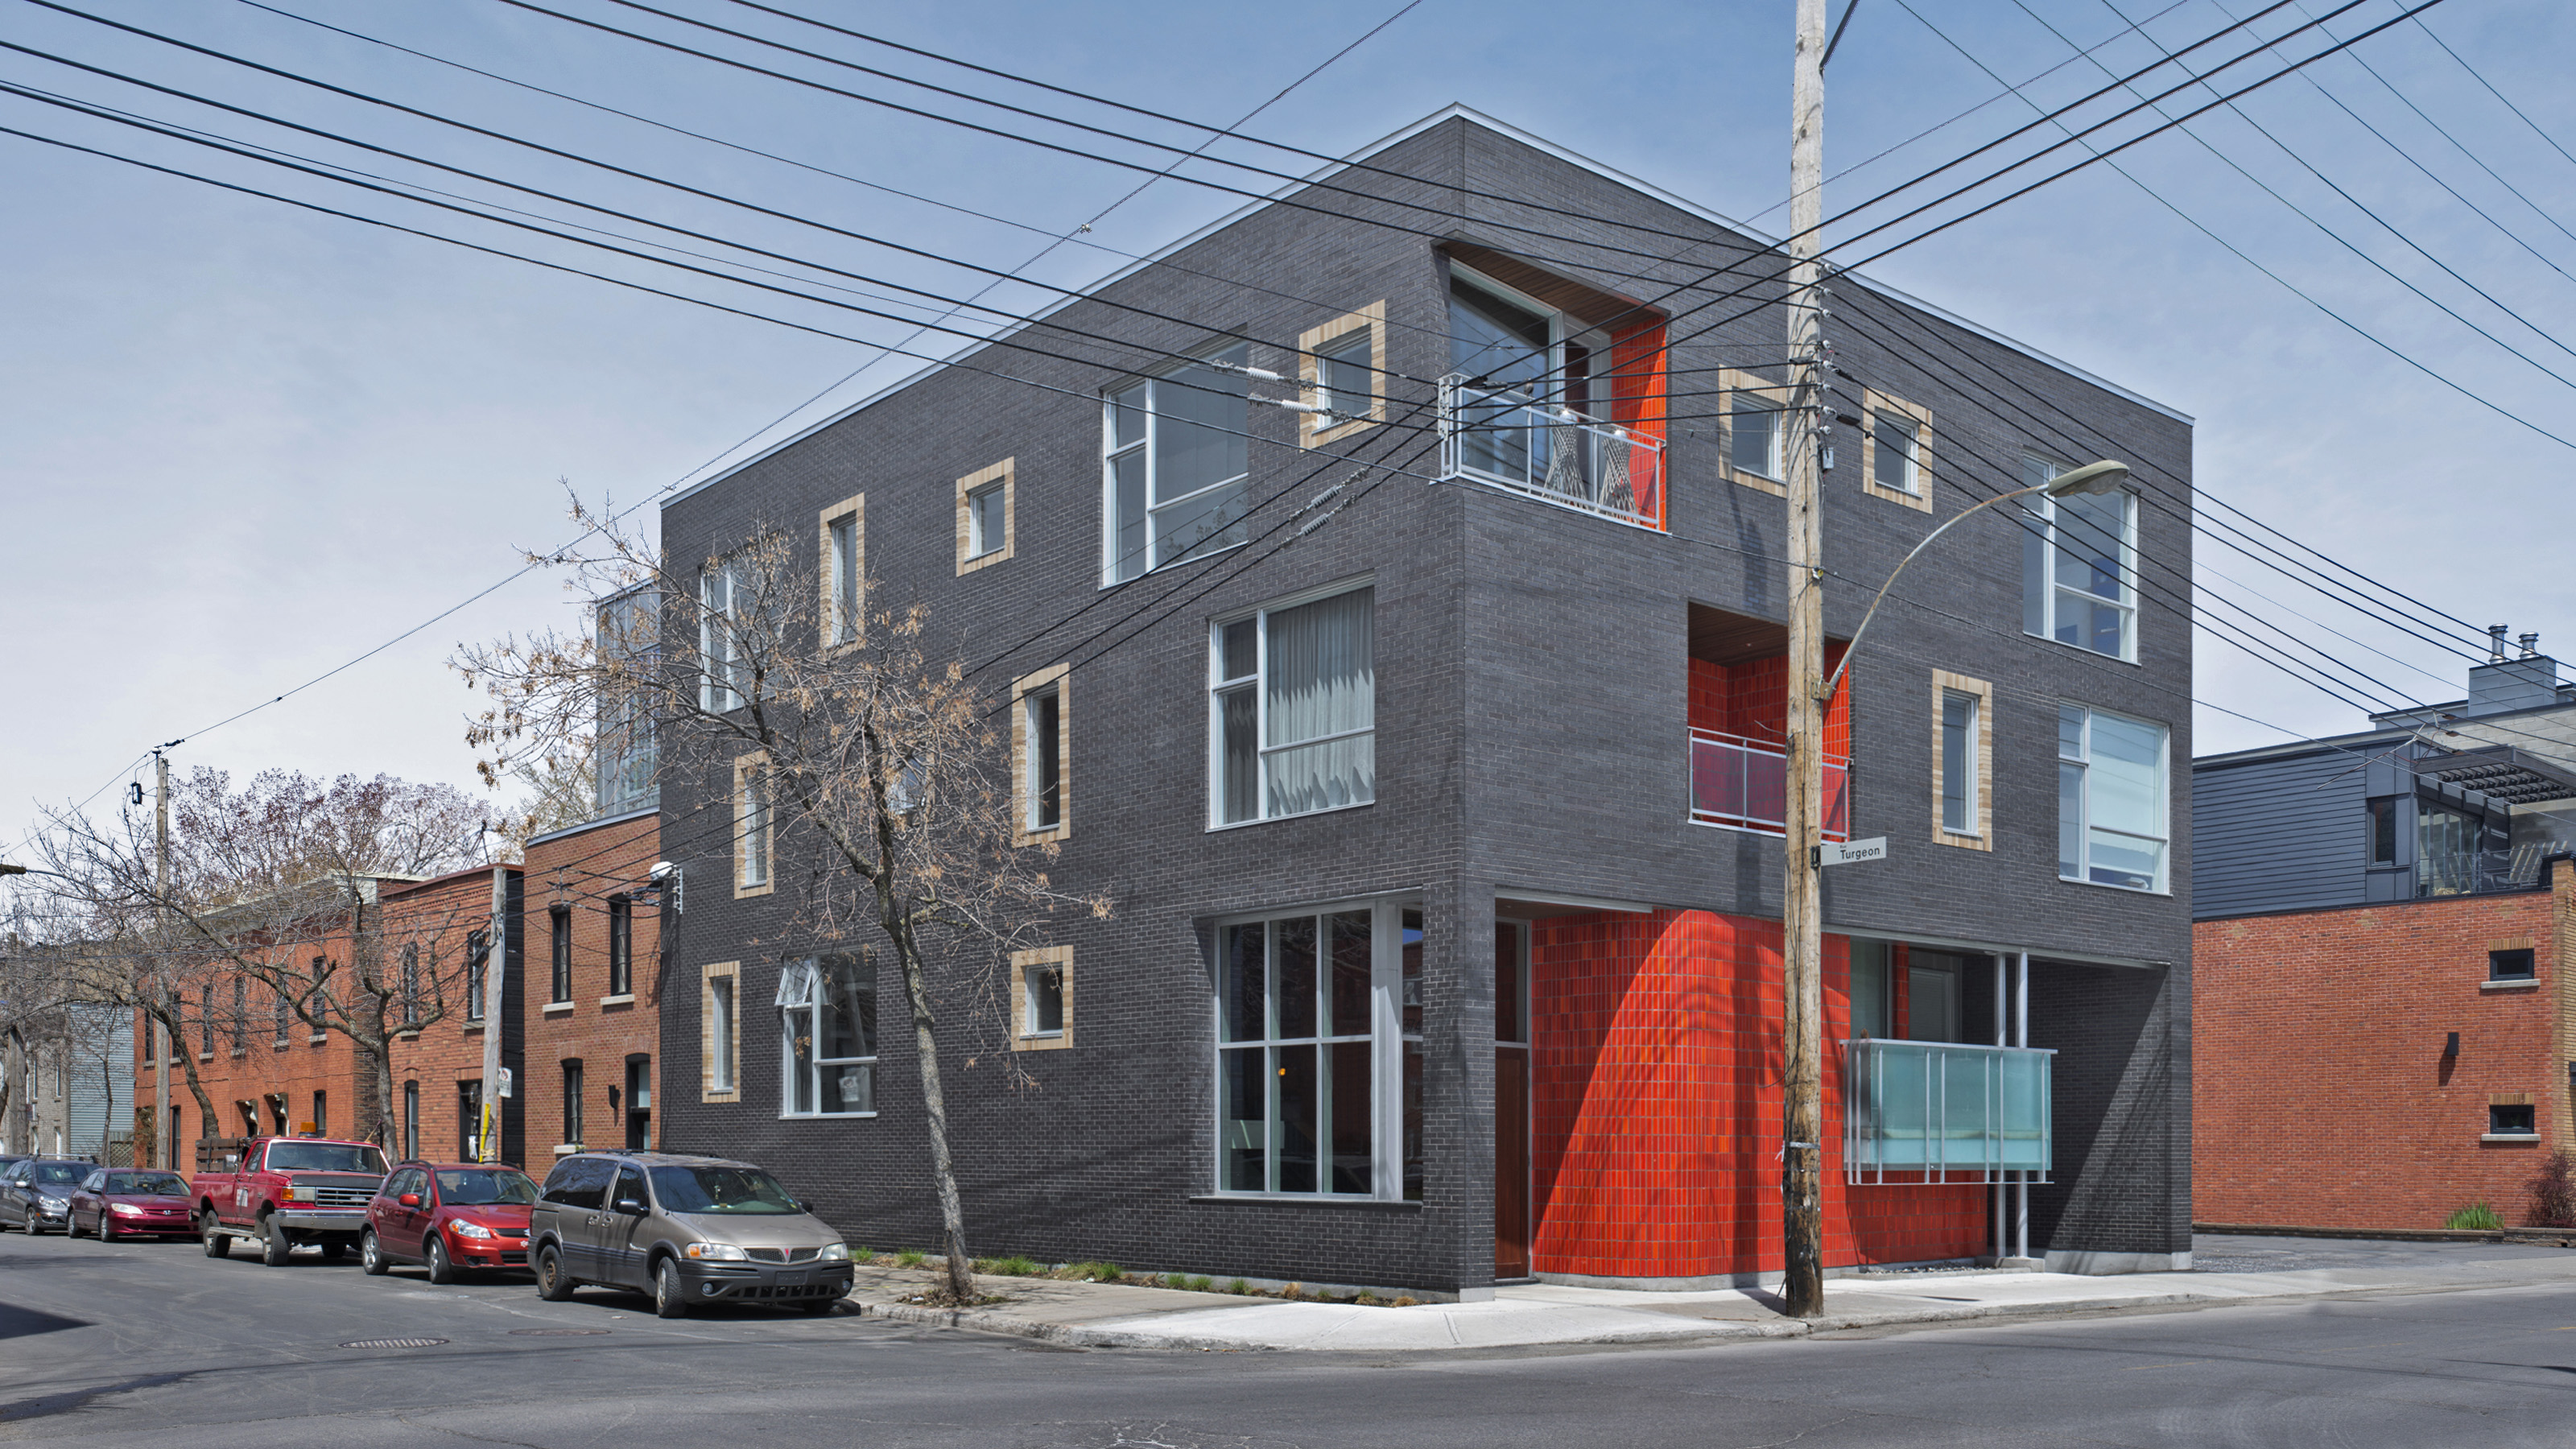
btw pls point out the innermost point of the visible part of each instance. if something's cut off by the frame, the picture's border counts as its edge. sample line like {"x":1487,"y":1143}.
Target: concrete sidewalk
{"x":2231,"y":1270}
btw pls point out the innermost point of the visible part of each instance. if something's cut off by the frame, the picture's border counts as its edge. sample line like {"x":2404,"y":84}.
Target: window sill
{"x":1170,"y":564}
{"x":411,"y":1035}
{"x":2124,"y":890}
{"x":2510,"y":1137}
{"x":628,"y":999}
{"x":473,"y":1026}
{"x":205,"y":1056}
{"x":239,"y":1053}
{"x":554,"y":1008}
{"x":821,"y":1116}
{"x":317,"y":1038}
{"x":2511,"y":984}
{"x":1307,"y":1199}
{"x":1301,"y":815}
{"x":711,"y":1095}
{"x":2080,"y":649}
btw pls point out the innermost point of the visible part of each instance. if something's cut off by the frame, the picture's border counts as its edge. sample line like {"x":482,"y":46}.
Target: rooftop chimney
{"x":2495,"y":642}
{"x":2530,"y":646}
{"x":2502,"y":684}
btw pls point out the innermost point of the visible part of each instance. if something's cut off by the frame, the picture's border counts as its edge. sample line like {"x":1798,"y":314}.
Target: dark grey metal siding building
{"x":1531,"y":671}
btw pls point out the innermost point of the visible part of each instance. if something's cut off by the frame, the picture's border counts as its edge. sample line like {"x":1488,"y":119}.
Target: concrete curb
{"x":1680,"y":1334}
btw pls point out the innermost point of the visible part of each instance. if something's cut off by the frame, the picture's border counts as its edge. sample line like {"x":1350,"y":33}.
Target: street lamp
{"x":2103,"y":477}
{"x":1802,"y":1287}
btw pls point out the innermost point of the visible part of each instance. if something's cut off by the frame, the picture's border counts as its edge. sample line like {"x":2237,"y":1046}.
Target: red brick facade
{"x":587,"y":875}
{"x":1656,"y":1108}
{"x":2323,"y":1094}
{"x":433,"y":1066}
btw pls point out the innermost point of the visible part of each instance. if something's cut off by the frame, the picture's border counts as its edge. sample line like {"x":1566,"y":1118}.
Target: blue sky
{"x":248,"y":443}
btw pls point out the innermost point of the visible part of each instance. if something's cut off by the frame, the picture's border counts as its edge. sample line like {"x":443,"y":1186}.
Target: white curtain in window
{"x":1322,"y":687}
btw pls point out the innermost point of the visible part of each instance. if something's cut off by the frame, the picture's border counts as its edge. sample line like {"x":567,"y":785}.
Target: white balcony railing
{"x":1519,"y":441}
{"x":1945,"y":1112}
{"x":1744,"y":784}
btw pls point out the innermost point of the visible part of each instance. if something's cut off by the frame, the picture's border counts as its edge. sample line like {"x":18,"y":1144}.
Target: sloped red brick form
{"x":1657,"y":1112}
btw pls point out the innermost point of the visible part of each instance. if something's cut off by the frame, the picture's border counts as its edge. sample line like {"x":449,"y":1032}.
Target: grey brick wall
{"x":1530,"y":721}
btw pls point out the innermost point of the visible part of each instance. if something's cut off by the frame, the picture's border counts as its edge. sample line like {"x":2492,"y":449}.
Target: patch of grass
{"x":910,"y":1258}
{"x":1366,"y":1297}
{"x":1198,"y":1285}
{"x":2476,"y":1217}
{"x":1094,"y":1272}
{"x":1293,"y":1292}
{"x":1014,"y":1266}
{"x":1239,"y":1288}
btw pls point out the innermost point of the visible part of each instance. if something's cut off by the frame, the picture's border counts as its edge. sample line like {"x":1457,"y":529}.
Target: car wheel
{"x":106,"y":1229}
{"x":218,"y":1243}
{"x":434,"y":1253}
{"x":371,"y":1255}
{"x":274,"y":1245}
{"x":670,"y":1295}
{"x":553,"y":1284}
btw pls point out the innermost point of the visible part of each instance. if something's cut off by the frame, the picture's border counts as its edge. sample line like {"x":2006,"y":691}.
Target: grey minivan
{"x":688,"y":1230}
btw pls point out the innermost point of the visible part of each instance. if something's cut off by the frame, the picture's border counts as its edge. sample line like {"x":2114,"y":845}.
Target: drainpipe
{"x":2003,"y":1021}
{"x":2021,"y":1038}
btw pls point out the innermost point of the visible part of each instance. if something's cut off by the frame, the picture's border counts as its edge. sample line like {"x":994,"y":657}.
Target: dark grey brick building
{"x":1428,"y":747}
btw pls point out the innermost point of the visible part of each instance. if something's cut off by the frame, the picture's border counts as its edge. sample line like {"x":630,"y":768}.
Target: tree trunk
{"x":934,"y":1111}
{"x":188,"y":1066}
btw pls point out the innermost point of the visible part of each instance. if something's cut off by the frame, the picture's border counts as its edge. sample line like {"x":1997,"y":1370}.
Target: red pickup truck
{"x":283,"y":1192}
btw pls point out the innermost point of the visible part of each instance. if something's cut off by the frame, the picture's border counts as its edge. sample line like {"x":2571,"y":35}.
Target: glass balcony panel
{"x":1744,"y":784}
{"x":1945,"y":1111}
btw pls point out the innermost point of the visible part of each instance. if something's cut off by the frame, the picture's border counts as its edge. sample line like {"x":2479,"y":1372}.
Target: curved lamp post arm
{"x":2091,"y":478}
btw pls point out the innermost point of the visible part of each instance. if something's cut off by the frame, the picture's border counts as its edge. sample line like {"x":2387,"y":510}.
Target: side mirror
{"x":409,"y":1199}
{"x":630,"y":1207}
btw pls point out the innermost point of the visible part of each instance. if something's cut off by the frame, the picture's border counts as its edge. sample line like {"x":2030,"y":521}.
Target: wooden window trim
{"x":1055,"y":677}
{"x":1731,"y":381}
{"x":1872,"y":403}
{"x":854,"y":508}
{"x":707,"y":977}
{"x":1002,"y":472}
{"x":1060,"y":957}
{"x":1312,"y":429}
{"x":1946,"y":683}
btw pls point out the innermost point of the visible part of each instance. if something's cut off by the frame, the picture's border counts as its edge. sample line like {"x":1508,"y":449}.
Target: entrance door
{"x":1511,"y":1100}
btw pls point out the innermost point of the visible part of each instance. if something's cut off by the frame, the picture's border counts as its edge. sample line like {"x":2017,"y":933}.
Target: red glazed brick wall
{"x":2320,"y":1093}
{"x":1656,"y":1111}
{"x":1751,"y":700}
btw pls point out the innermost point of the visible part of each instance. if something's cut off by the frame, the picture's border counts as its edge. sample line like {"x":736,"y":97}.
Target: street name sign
{"x":1849,"y":852}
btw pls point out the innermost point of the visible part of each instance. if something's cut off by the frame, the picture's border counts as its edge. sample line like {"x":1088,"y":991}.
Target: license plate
{"x":792,"y":1280}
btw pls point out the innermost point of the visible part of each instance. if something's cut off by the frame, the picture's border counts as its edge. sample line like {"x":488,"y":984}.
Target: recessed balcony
{"x":1531,"y":443}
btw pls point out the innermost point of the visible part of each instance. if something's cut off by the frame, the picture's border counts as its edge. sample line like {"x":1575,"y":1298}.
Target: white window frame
{"x":1026,"y":966}
{"x":1350,"y":415}
{"x":812,"y":1007}
{"x":720,"y":1034}
{"x":1387,"y":1038}
{"x":1914,"y":488}
{"x":755,"y":815}
{"x":719,"y":655}
{"x":1111,"y":450}
{"x":1732,"y":384}
{"x":2084,"y":825}
{"x":2041,"y":515}
{"x":1219,"y":686}
{"x":1026,"y":691}
{"x":977,"y":546}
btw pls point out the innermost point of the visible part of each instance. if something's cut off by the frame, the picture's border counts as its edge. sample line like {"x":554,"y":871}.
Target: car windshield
{"x":325,"y":1157}
{"x":169,"y":1183}
{"x":484,"y":1187}
{"x":62,"y":1174}
{"x":745,"y":1190}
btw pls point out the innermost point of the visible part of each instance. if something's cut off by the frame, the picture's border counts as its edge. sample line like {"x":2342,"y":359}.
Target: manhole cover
{"x":393,"y":1343}
{"x":555,"y":1332}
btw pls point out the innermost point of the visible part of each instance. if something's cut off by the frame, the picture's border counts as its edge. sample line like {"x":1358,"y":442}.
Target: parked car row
{"x":690,"y":1231}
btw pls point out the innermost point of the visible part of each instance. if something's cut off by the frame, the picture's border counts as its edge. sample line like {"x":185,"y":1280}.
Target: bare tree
{"x":274,"y":883}
{"x":871,"y":771}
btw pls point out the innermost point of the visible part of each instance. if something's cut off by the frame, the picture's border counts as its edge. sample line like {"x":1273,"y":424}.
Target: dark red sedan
{"x":116,"y":1202}
{"x":450,"y":1218}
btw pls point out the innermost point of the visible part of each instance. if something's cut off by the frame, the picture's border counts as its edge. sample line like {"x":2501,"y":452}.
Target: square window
{"x":2515,"y":965}
{"x":1755,"y":432}
{"x":1895,"y":449}
{"x":1042,"y":999}
{"x":987,"y":512}
{"x":2512,"y":1120}
{"x":1345,"y":377}
{"x":1292,"y":709}
{"x":1341,"y":366}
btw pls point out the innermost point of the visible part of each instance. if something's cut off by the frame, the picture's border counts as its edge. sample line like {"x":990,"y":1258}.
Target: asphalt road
{"x":156,"y":1344}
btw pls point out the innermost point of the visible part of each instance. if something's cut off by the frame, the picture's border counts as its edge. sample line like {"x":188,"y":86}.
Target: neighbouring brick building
{"x":593,"y":1019}
{"x":2385,"y":1030}
{"x":1445,"y":840}
{"x":434,"y":935}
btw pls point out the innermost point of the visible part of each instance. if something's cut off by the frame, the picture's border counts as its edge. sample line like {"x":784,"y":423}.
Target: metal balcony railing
{"x":2479,"y":872}
{"x":1516,"y":440}
{"x":1945,"y":1112}
{"x":1744,"y":784}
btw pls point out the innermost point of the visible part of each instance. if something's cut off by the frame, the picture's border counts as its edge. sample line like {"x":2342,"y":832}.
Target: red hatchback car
{"x":449,"y":1217}
{"x":116,"y":1202}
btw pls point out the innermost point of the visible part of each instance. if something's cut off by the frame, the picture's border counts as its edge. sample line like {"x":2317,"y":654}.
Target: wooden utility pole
{"x":1802,"y":1284}
{"x":165,"y":1144}
{"x":496,"y":959}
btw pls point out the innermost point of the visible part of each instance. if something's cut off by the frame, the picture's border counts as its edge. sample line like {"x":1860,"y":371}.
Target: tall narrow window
{"x":572,"y":1104}
{"x":1292,"y":713}
{"x":284,"y":1008}
{"x":984,"y":529}
{"x":827,"y":1009}
{"x":559,"y":920}
{"x":1046,"y":759}
{"x":241,"y":1012}
{"x":717,"y":648}
{"x":322,"y":1114}
{"x":1315,"y":1082}
{"x":1959,"y":783}
{"x":720,"y":1050}
{"x":624,"y":756}
{"x":2079,"y":566}
{"x":206,"y":1017}
{"x":411,"y":984}
{"x":1872,"y":1004}
{"x":411,"y":1121}
{"x":2111,"y":799}
{"x":1175,"y":466}
{"x":469,"y":1120}
{"x":621,"y":946}
{"x":752,"y":843}
{"x":478,"y":957}
{"x":2381,"y":829}
{"x":1042,"y":999}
